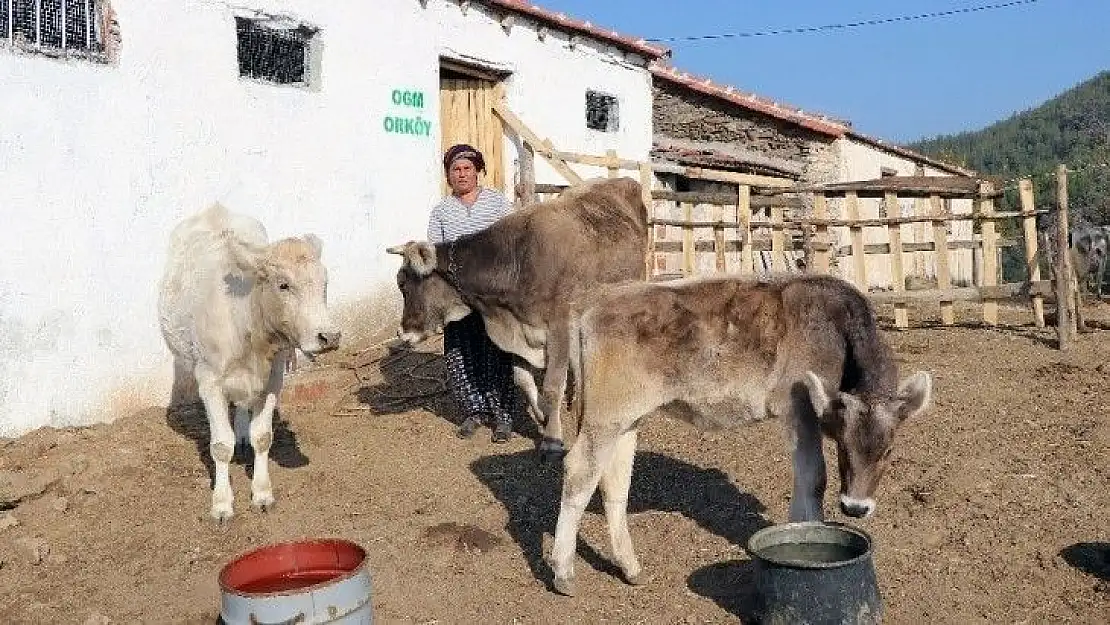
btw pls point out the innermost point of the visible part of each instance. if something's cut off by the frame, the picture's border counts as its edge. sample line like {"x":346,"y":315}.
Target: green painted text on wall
{"x":404,"y":125}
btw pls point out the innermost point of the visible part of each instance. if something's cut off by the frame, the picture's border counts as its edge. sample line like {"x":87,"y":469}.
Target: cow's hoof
{"x":639,"y":579}
{"x":222,"y":516}
{"x":564,"y":587}
{"x":263,"y":502}
{"x":551,"y":451}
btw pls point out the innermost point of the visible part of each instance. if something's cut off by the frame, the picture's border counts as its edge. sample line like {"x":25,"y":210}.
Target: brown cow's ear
{"x":422,"y":256}
{"x":914,"y":394}
{"x":396,"y":249}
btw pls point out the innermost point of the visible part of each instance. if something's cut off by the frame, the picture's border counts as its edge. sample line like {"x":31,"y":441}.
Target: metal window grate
{"x":602,"y":112}
{"x":50,"y":24}
{"x":271,"y":53}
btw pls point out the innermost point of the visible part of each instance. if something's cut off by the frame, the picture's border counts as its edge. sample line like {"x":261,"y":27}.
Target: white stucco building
{"x":119,"y":117}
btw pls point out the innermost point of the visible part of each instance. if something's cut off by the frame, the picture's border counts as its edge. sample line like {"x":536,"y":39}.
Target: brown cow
{"x":526,"y":275}
{"x":722,"y":352}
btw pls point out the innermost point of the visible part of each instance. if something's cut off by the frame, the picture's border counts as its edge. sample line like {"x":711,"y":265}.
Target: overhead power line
{"x":847,"y":25}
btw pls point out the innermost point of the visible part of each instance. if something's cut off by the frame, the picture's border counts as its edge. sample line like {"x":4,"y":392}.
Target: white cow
{"x":232,"y":309}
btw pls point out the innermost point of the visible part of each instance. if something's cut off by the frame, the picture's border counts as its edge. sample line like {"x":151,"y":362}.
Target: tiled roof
{"x":560,"y":20}
{"x":818,"y":123}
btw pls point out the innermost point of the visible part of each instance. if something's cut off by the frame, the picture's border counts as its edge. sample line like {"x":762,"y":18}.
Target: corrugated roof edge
{"x":625,"y":42}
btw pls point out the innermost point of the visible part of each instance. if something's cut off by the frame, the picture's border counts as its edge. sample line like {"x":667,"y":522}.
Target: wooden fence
{"x":769,"y":224}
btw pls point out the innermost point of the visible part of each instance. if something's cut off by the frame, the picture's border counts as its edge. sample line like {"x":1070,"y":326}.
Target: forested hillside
{"x":1072,"y":128}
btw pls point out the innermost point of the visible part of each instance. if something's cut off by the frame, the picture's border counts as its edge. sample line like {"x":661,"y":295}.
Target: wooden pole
{"x":1032,"y":261}
{"x":897,"y":271}
{"x":1063,"y":266}
{"x":1066,"y":279}
{"x":990,"y":250}
{"x":821,"y":256}
{"x":613,"y":164}
{"x":687,"y":239}
{"x":778,"y":242}
{"x":944,"y":274}
{"x":851,"y":201}
{"x":719,"y":238}
{"x":744,"y":221}
{"x":646,"y":178}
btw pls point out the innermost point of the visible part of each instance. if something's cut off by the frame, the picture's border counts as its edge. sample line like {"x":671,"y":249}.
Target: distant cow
{"x":1089,"y":247}
{"x":232,"y":308}
{"x":526,"y":275}
{"x":723,"y":352}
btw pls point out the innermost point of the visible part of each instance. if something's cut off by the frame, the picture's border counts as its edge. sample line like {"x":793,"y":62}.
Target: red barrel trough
{"x":308,"y":582}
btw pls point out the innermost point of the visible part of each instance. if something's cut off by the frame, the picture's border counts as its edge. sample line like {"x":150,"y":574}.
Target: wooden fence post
{"x":851,"y":200}
{"x":646,"y":178}
{"x":822,"y":244}
{"x":744,"y":221}
{"x":1066,"y":326}
{"x":897,"y":272}
{"x":778,"y":244}
{"x":940,"y":248}
{"x":687,"y":239}
{"x":1032,"y":260}
{"x":613,"y":164}
{"x":990,"y":251}
{"x":719,"y":237}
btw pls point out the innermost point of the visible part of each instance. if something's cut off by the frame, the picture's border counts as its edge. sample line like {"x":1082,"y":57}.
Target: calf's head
{"x":291,"y":289}
{"x":430,"y":302}
{"x":864,"y":429}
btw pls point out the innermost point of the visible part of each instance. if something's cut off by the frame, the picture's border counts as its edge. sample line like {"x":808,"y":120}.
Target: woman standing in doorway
{"x":479,"y":375}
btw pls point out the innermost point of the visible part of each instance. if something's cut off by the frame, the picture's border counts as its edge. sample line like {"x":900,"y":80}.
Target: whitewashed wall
{"x":100,"y":161}
{"x":547,"y":88}
{"x":862,"y":161}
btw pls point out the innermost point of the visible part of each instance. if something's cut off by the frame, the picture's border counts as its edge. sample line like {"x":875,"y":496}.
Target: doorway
{"x":466,"y":96}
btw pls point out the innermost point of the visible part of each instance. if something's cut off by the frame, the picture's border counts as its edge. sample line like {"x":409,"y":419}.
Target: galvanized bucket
{"x":815,"y":573}
{"x":297,"y":583}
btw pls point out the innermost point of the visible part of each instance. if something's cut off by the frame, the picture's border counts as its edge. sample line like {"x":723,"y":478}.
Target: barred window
{"x":274,"y":50}
{"x":602,"y":112}
{"x":52,"y":25}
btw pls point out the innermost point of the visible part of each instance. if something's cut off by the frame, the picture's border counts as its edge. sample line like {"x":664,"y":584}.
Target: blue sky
{"x":900,"y":81}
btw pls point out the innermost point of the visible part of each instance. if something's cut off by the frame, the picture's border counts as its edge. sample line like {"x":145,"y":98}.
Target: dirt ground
{"x":994,"y":511}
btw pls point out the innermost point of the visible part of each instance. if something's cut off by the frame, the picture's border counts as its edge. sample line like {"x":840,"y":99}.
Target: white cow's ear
{"x":316,"y":244}
{"x":249,"y":258}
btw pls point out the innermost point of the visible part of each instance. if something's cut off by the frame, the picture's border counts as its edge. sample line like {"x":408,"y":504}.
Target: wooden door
{"x":466,"y":116}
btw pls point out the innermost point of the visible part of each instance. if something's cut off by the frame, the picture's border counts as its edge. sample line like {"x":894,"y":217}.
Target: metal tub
{"x":815,"y":573}
{"x":308,"y":582}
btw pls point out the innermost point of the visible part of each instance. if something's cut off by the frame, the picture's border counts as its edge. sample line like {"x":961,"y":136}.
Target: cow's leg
{"x":262,"y":435}
{"x":615,"y":482}
{"x":810,"y":478}
{"x":790,"y":402}
{"x":221,"y":444}
{"x":554,"y":389}
{"x":582,"y":468}
{"x":526,"y":382}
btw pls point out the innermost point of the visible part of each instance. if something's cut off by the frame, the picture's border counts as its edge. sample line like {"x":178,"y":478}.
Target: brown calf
{"x":723,"y":352}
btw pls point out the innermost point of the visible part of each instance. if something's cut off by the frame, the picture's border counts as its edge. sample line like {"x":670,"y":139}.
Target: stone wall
{"x":683,"y":114}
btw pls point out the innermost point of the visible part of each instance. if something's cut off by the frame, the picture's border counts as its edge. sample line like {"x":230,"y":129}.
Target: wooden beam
{"x":990,"y":252}
{"x":897,"y":272}
{"x":858,"y":258}
{"x":965,"y":294}
{"x":1064,"y":332}
{"x":1032,"y":258}
{"x":941,"y":247}
{"x":716,"y":175}
{"x":540,"y":147}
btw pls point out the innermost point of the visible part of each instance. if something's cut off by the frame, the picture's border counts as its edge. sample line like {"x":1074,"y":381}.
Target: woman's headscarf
{"x":463,"y":150}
